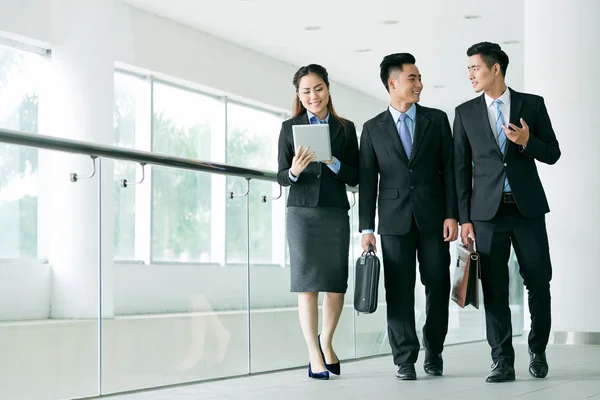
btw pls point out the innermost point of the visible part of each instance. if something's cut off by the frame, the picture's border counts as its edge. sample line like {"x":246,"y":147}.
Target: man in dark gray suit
{"x":498,"y":136}
{"x":406,"y":155}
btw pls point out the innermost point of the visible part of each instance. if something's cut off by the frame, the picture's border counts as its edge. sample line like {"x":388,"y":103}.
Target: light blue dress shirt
{"x":410,"y":121}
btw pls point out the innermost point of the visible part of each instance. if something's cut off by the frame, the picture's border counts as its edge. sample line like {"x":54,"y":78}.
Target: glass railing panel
{"x":276,"y":336}
{"x":371,"y":329}
{"x":516,"y":296}
{"x":183,"y":316}
{"x":48,"y":275}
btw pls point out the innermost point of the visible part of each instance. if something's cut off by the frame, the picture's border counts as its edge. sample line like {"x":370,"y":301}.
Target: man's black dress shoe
{"x":538,"y":366}
{"x":501,"y":372}
{"x":406,"y":372}
{"x":434,"y":364}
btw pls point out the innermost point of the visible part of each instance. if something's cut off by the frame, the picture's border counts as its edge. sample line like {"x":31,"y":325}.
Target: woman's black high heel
{"x":317,"y":375}
{"x":333,"y":368}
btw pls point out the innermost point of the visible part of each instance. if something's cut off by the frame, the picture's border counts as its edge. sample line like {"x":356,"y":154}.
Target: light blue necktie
{"x":405,"y":134}
{"x":499,"y":125}
{"x":501,"y":136}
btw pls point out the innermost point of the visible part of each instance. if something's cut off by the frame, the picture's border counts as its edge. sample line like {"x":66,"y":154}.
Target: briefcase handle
{"x":470,"y":246}
{"x":370,"y":251}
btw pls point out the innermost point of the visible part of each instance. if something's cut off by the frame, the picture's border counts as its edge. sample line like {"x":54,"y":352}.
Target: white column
{"x":78,"y":104}
{"x":561,"y":59}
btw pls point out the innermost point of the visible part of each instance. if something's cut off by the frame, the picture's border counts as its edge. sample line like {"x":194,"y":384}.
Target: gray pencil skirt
{"x":319,"y":241}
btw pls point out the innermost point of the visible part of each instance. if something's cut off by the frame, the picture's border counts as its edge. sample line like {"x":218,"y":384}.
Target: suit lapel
{"x":334,"y":129}
{"x":482,"y":114}
{"x":421,"y":125}
{"x":386,"y":122}
{"x":516,"y":101}
{"x":301,"y":119}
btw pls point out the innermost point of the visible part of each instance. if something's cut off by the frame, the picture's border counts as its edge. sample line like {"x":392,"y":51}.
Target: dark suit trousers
{"x":530,"y":241}
{"x":399,"y":266}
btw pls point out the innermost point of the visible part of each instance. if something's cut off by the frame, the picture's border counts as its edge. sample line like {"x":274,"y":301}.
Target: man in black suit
{"x":406,"y":155}
{"x":497,"y":138}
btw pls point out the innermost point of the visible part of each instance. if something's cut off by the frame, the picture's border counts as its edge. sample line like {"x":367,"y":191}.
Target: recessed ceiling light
{"x":363,"y":50}
{"x":472,"y":16}
{"x":510,"y":42}
{"x":438,"y":86}
{"x":312,"y":28}
{"x":390,"y":22}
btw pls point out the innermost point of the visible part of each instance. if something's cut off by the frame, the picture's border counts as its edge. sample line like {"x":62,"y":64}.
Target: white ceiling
{"x":436,"y":32}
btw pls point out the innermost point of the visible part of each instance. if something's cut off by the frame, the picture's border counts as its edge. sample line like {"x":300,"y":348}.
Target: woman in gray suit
{"x":318,"y":227}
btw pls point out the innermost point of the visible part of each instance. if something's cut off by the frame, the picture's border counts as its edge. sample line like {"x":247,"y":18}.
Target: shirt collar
{"x":311,"y":116}
{"x":411,"y":113}
{"x":505,"y":98}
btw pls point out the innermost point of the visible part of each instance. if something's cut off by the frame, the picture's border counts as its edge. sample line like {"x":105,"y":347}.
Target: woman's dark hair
{"x":298,"y":108}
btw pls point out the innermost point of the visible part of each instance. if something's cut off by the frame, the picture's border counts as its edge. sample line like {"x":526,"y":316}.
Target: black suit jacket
{"x":317,"y":185}
{"x":423,"y":186}
{"x":481,"y":167}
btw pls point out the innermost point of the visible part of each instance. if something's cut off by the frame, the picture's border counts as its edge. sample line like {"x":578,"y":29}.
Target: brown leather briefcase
{"x":465,"y":285}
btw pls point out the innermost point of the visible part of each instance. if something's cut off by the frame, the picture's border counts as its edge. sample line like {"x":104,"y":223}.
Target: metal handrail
{"x":139,"y":156}
{"x":119,"y":153}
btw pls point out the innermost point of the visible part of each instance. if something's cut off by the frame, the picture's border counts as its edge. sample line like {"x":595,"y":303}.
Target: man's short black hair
{"x":491,"y":53}
{"x":393,"y":63}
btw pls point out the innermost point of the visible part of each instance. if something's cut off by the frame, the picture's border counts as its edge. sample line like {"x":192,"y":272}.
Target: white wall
{"x":25,"y":289}
{"x":27,"y":20}
{"x":572,"y":183}
{"x":165,"y":47}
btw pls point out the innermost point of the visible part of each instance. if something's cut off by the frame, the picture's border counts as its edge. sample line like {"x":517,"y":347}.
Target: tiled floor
{"x":574,"y":374}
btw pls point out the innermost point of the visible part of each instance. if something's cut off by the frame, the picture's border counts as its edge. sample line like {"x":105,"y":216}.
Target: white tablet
{"x":314,"y":136}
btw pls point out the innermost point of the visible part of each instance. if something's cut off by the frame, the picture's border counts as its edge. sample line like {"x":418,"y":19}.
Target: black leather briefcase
{"x":366,"y":282}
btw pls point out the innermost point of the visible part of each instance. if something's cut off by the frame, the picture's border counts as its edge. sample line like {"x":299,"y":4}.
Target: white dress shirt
{"x":504,"y":109}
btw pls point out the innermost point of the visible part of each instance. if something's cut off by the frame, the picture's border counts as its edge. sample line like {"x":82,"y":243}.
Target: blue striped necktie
{"x":499,"y":125}
{"x":405,"y":134}
{"x":501,"y":136}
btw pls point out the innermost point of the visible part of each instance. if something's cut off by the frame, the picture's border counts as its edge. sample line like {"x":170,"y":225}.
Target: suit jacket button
{"x":410,"y":170}
{"x":505,"y":164}
{"x":411,"y":187}
{"x":318,"y":176}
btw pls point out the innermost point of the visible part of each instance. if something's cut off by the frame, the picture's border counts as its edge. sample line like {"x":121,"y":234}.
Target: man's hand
{"x":517,"y":135}
{"x":450,"y":230}
{"x":368,"y":238}
{"x":467,"y":232}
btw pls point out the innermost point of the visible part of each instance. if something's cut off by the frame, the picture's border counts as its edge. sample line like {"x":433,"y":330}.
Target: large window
{"x":132,"y":130}
{"x":20,"y":76}
{"x":185,"y":124}
{"x":252,"y":137}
